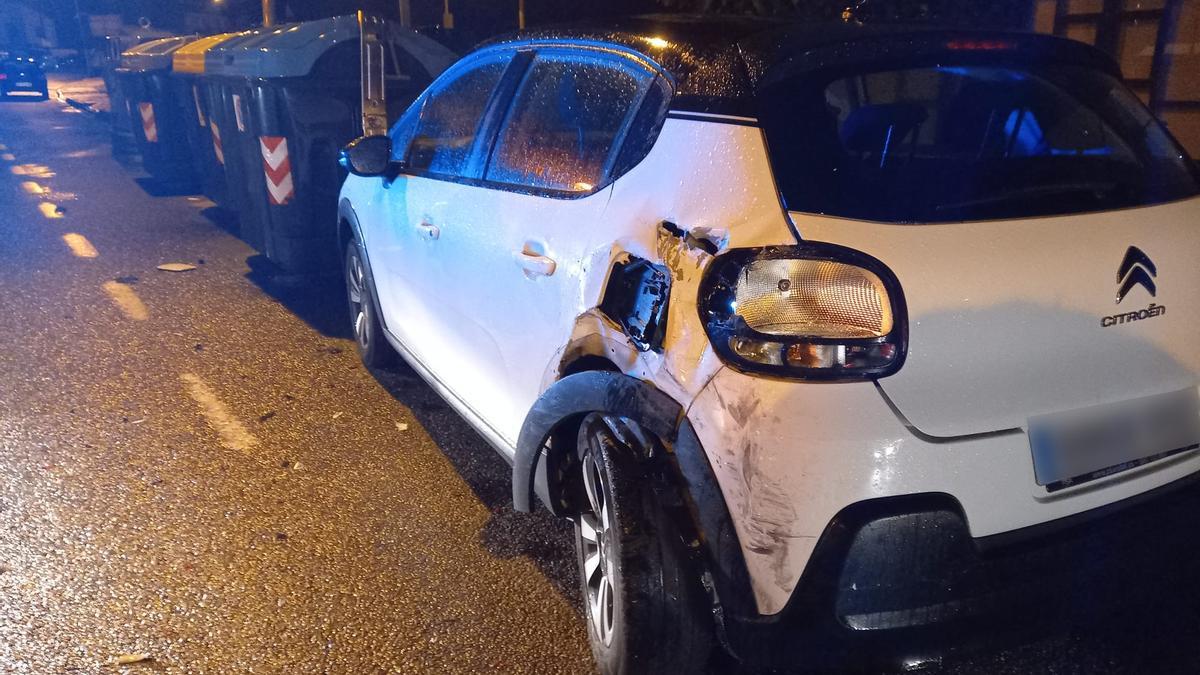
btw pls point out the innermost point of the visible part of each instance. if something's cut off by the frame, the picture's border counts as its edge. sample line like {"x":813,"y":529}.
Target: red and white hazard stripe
{"x":148,"y":124}
{"x":278,"y":169}
{"x":217,"y":149}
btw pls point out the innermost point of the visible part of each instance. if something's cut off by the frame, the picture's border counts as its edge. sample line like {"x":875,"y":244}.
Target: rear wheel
{"x":372,"y":346}
{"x":646,"y":611}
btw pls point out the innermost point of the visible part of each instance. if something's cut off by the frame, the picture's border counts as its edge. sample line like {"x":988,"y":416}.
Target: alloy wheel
{"x":360,"y":301}
{"x":596,"y":534}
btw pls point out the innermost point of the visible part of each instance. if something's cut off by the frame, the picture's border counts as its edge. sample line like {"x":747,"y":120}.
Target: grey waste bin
{"x":289,"y":99}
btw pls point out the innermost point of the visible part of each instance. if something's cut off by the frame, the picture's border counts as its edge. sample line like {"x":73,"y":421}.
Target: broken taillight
{"x":813,"y":311}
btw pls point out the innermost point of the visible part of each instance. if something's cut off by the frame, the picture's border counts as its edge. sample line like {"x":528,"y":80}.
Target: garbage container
{"x":157,"y":119}
{"x":291,"y":98}
{"x":190,"y":94}
{"x":123,"y":144}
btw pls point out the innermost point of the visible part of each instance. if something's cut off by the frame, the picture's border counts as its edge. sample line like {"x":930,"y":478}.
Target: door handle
{"x":534,"y":264}
{"x":429,"y":230}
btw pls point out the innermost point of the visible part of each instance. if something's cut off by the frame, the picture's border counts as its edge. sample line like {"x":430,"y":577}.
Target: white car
{"x":835,"y":342}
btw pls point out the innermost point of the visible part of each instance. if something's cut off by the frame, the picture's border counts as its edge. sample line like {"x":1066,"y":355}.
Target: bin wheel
{"x":372,"y":346}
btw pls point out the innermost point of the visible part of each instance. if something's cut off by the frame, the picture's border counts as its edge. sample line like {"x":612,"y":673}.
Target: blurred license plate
{"x":24,"y":84}
{"x":1083,"y":445}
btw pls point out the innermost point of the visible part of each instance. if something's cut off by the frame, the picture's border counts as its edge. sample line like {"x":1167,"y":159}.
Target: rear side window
{"x":446,"y":120}
{"x":565,"y":121}
{"x":956,"y":143}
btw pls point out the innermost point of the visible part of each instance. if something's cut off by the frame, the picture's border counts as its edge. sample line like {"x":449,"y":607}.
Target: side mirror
{"x":368,"y":156}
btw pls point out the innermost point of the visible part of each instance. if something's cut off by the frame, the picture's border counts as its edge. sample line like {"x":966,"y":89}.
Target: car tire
{"x":646,"y":610}
{"x":369,"y":341}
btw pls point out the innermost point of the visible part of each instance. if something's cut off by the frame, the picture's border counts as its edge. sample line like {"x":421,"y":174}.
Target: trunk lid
{"x":1013,"y":319}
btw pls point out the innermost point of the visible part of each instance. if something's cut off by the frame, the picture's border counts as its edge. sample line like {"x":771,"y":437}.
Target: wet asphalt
{"x":213,"y":481}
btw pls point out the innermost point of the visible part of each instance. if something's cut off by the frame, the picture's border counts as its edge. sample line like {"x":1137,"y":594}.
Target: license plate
{"x":24,"y":84}
{"x":1084,"y":445}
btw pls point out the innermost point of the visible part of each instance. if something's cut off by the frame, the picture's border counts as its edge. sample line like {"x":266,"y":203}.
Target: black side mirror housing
{"x":368,"y":156}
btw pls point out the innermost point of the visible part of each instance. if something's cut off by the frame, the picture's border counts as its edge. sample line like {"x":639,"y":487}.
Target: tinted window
{"x":643,"y":131}
{"x":565,"y":119}
{"x":447,"y":117}
{"x":950,"y":143}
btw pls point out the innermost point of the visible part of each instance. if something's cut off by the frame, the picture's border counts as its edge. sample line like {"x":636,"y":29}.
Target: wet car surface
{"x":214,"y":482}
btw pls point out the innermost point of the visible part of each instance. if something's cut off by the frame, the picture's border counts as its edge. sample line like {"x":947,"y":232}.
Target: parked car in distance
{"x":22,"y":73}
{"x":839,"y":344}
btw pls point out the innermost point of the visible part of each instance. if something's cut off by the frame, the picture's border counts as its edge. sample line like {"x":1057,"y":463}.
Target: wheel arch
{"x":565,"y":403}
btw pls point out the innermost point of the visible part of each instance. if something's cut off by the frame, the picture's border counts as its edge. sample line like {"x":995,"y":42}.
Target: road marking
{"x":49,"y":210}
{"x":127,"y":301}
{"x":233,"y":434}
{"x":33,"y":188}
{"x":35,"y":170}
{"x":80,"y":246}
{"x":8,"y":157}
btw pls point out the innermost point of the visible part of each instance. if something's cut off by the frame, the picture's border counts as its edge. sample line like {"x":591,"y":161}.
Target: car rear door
{"x":510,"y":260}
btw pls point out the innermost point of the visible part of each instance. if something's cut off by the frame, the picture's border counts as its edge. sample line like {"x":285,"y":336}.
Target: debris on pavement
{"x":337,"y":414}
{"x":401,"y":426}
{"x":176,"y":267}
{"x":266,"y":416}
{"x":128,"y":659}
{"x":127,"y":280}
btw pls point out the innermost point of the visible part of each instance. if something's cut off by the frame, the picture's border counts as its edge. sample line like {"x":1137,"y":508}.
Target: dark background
{"x":481,"y":18}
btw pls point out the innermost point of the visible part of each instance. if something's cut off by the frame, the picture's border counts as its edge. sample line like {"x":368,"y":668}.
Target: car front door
{"x":435,"y":140}
{"x":511,"y":257}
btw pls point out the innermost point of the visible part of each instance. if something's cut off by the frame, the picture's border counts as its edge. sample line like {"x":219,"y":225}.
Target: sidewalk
{"x":81,"y":92}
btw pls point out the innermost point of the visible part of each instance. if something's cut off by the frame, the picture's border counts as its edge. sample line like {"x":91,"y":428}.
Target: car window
{"x":404,"y":128}
{"x":446,"y":120}
{"x":952,"y":142}
{"x":564,"y":121}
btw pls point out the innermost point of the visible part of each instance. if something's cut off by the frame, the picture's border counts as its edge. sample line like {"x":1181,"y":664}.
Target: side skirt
{"x":489,"y":434}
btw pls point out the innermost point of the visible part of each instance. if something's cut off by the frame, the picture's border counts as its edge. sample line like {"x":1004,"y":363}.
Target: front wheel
{"x":372,"y":347}
{"x":646,"y":610}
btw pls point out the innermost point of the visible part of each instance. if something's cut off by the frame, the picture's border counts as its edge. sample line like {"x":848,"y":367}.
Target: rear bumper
{"x":898,"y":581}
{"x":790,"y":457}
{"x":19,"y":85}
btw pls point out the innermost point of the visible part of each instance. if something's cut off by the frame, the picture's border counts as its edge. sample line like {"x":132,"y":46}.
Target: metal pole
{"x":268,"y":13}
{"x":406,"y":13}
{"x":447,"y":16}
{"x":521,"y":14}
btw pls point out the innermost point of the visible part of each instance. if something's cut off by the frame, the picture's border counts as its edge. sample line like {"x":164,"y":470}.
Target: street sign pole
{"x":268,"y":13}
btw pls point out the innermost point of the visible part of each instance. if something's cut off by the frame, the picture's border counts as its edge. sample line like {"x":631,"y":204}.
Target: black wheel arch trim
{"x":346,"y":214}
{"x":572,"y":397}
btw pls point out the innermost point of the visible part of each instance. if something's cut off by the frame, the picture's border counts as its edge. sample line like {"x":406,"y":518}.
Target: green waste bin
{"x":156,"y":118}
{"x":291,"y":99}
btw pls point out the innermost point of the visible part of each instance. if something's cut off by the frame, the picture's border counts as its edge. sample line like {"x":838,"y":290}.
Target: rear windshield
{"x":946,"y":143}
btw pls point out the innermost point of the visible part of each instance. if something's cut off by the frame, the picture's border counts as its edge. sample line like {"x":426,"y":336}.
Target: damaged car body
{"x":778,"y":316}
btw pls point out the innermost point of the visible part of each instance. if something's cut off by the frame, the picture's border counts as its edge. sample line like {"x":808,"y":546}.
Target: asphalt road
{"x":194,"y":466}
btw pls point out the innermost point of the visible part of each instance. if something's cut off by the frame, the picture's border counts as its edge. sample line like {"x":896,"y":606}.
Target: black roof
{"x":717,"y":62}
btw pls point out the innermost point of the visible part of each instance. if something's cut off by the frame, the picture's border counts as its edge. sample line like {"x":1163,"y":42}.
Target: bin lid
{"x":291,"y":50}
{"x":190,"y":57}
{"x":155,"y":54}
